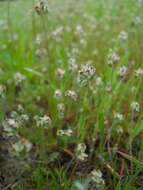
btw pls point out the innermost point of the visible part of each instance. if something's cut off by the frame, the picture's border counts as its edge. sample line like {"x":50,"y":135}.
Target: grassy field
{"x":71,"y":96}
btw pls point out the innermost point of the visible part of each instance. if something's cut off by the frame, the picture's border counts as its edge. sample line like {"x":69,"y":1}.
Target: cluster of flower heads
{"x":21,"y":145}
{"x":112,"y":57}
{"x":86,"y":72}
{"x":135,"y":106}
{"x":80,"y":152}
{"x":16,"y":120}
{"x":18,"y":78}
{"x":44,"y":121}
{"x":96,"y":176}
{"x":58,"y":95}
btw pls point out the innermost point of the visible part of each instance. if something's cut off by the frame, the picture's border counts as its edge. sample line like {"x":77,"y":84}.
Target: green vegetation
{"x":71,"y":96}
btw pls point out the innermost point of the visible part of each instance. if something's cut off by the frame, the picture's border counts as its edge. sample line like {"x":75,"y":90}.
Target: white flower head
{"x":118,"y":116}
{"x":139,"y":72}
{"x":96,"y":176}
{"x":66,"y":132}
{"x":122,"y":71}
{"x":58,"y":94}
{"x":44,"y":121}
{"x":19,"y":78}
{"x":112,"y":57}
{"x":72,"y":94}
{"x":80,"y":152}
{"x":135,"y":106}
{"x":86,"y":72}
{"x":60,"y":72}
{"x":72,"y":64}
{"x":123,"y":35}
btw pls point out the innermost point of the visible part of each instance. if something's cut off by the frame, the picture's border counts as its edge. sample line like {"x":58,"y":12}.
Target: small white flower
{"x":99,"y":81}
{"x":86,"y":72}
{"x":20,"y":108}
{"x":18,"y":147}
{"x":135,"y":106}
{"x":122,"y":71}
{"x":67,"y":132}
{"x":118,"y":116}
{"x":112,"y":57}
{"x":79,"y":30}
{"x":43,"y":121}
{"x":21,"y":145}
{"x":82,"y":156}
{"x":72,"y":64}
{"x":139,"y":72}
{"x":96,"y":176}
{"x":72,"y":94}
{"x":19,"y":78}
{"x":25,"y":117}
{"x":80,"y":152}
{"x":58,"y":94}
{"x":60,"y":73}
{"x":123,"y":35}
{"x":60,"y":132}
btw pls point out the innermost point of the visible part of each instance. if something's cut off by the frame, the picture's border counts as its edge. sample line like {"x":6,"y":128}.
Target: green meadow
{"x":71,"y":96}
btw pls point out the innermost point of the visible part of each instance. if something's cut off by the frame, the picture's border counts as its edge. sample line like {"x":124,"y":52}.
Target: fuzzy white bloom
{"x":135,"y":106}
{"x":44,"y":121}
{"x":72,"y":94}
{"x":11,"y":123}
{"x":18,"y":147}
{"x":58,"y":94}
{"x":21,"y":145}
{"x":60,"y":72}
{"x":24,"y":117}
{"x":20,"y":108}
{"x":123,"y":35}
{"x":139,"y":72}
{"x":99,"y":81}
{"x":79,"y":30}
{"x":86,"y":72}
{"x":96,"y":176}
{"x":112,"y":57}
{"x":72,"y":64}
{"x":118,"y":116}
{"x":122,"y":71}
{"x":19,"y":78}
{"x":80,"y":152}
{"x":67,"y":132}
